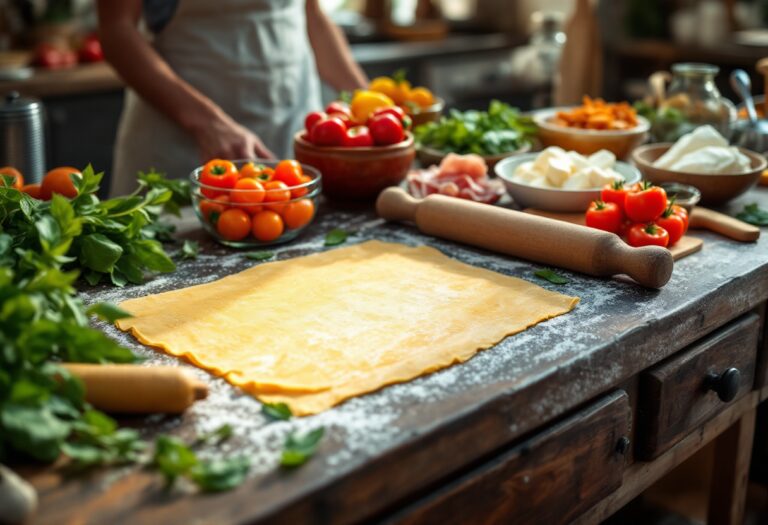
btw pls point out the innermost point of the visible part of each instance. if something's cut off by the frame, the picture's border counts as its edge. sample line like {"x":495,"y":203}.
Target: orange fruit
{"x":33,"y":190}
{"x":18,"y":179}
{"x":298,"y":213}
{"x":59,"y":180}
{"x":267,"y":226}
{"x":234,"y":224}
{"x":421,"y":96}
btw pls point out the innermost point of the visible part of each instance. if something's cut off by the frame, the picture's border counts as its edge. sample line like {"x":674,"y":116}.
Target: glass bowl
{"x":294,"y":214}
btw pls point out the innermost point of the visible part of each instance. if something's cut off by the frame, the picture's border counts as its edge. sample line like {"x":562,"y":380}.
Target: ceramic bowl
{"x":588,"y":141}
{"x":553,"y":199}
{"x":356,"y":173}
{"x":715,"y":189}
{"x":210,"y":202}
{"x":430,"y":156}
{"x":428,"y":114}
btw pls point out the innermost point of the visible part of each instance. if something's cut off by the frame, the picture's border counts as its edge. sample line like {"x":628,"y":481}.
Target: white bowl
{"x":553,"y":199}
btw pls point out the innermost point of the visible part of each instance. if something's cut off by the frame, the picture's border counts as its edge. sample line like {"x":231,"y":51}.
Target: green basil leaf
{"x":219,"y":435}
{"x":259,"y":256}
{"x":99,"y":253}
{"x":298,"y":449}
{"x":277,"y":411}
{"x":218,"y":475}
{"x":152,"y":256}
{"x":107,"y":312}
{"x":335,"y":237}
{"x":173,"y":458}
{"x":753,"y":214}
{"x":190,"y":249}
{"x":34,"y":430}
{"x":551,"y":276}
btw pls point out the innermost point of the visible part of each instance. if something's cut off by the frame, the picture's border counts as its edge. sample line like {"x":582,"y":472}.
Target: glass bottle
{"x":693,"y":100}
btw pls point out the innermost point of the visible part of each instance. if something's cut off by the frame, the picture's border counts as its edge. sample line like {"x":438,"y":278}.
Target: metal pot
{"x":22,"y":136}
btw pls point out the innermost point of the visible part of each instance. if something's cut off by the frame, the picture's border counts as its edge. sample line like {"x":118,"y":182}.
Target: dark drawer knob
{"x":622,"y":446}
{"x":726,"y":384}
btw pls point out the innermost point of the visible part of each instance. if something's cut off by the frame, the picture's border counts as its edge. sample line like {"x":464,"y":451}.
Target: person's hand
{"x":224,"y":138}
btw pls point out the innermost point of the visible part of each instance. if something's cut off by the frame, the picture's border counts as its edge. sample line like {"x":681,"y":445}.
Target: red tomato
{"x":90,"y":50}
{"x":674,"y":225}
{"x":358,"y":137}
{"x":646,"y":203}
{"x":615,"y":192}
{"x":33,"y":190}
{"x":395,"y":111}
{"x":234,"y":224}
{"x":604,"y":216}
{"x":298,"y":213}
{"x":218,"y":174}
{"x":386,"y":130}
{"x":59,"y":180}
{"x":313,"y":118}
{"x":18,"y":178}
{"x":289,"y":172}
{"x":682,"y":213}
{"x":647,"y":235}
{"x":267,"y":226}
{"x":52,"y":57}
{"x":328,"y":132}
{"x":338,"y":106}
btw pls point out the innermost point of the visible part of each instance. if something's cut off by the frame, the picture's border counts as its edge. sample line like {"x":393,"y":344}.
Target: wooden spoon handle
{"x":706,"y":219}
{"x":537,"y":239}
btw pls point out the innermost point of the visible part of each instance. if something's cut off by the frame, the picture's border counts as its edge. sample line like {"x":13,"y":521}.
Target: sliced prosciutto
{"x":462,"y":176}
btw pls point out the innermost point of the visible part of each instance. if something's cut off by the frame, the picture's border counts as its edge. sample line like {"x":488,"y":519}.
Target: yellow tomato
{"x":384,"y":85}
{"x":421,"y":96}
{"x":403,"y":92}
{"x":365,"y":102}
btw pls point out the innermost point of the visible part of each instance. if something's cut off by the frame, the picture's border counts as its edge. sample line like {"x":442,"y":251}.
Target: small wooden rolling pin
{"x":537,"y":239}
{"x":134,"y":389}
{"x":706,"y":219}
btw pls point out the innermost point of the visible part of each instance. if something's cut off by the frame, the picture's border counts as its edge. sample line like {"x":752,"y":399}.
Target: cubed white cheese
{"x":540,"y":182}
{"x":558,"y":170}
{"x":602,"y":159}
{"x":578,"y":160}
{"x":578,"y":181}
{"x":541,"y":161}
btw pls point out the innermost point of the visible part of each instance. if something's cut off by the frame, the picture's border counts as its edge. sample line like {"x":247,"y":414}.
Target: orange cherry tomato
{"x":209,"y":207}
{"x":59,"y":180}
{"x":250,"y":170}
{"x":289,"y":172}
{"x":33,"y":190}
{"x":217,"y":173}
{"x":18,"y":179}
{"x":300,"y":192}
{"x":298,"y":213}
{"x":276,"y":191}
{"x":267,"y":226}
{"x":266,"y":175}
{"x":247,"y":191}
{"x":234,"y":224}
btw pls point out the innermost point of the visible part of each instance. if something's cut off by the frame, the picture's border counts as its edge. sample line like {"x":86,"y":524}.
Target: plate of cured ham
{"x":461,"y":176}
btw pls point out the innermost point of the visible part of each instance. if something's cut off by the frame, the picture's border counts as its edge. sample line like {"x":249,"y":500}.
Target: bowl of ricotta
{"x":559,"y":180}
{"x":704,"y":159}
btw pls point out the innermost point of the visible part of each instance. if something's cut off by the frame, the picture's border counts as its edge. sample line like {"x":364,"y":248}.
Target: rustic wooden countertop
{"x":383,"y":447}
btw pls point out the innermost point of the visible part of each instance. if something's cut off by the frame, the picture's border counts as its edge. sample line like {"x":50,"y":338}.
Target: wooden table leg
{"x":733,"y":449}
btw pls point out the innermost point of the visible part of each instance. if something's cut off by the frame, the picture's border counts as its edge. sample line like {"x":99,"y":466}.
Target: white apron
{"x":251,"y":57}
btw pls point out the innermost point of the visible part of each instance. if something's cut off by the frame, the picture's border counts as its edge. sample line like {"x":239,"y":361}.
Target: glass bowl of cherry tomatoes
{"x":251,"y":203}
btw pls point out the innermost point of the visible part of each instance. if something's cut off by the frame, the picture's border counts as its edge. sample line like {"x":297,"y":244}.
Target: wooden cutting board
{"x":685,"y":246}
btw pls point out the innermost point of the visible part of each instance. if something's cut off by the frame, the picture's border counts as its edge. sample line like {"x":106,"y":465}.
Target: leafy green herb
{"x":335,"y":237}
{"x":107,"y":312}
{"x":190,"y":249}
{"x":219,"y":435}
{"x":551,"y":276}
{"x":753,"y":214}
{"x":259,"y":256}
{"x":181,"y":192}
{"x":501,"y":129}
{"x":298,"y":449}
{"x":278,"y":411}
{"x":174,"y":460}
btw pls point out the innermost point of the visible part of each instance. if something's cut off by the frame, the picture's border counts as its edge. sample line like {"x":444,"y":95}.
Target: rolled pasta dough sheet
{"x":315,"y":330}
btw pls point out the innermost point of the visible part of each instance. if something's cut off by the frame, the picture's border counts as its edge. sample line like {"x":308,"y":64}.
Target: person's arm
{"x":335,"y":63}
{"x":144,"y":70}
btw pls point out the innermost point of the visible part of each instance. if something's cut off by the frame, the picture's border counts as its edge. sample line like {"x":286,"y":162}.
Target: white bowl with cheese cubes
{"x":559,"y":180}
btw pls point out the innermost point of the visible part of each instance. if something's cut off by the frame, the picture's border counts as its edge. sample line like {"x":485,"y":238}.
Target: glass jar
{"x":693,"y":100}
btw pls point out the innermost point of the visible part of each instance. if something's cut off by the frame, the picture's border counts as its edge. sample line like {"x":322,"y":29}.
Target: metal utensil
{"x":752,"y":133}
{"x":22,"y":136}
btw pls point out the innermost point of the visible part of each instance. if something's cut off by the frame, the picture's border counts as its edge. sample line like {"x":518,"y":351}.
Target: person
{"x":226,"y":79}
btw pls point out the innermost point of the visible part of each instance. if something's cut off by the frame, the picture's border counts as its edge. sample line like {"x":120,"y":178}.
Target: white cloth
{"x":251,"y":57}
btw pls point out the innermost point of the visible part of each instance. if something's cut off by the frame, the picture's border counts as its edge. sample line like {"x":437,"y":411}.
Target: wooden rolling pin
{"x":706,"y":219}
{"x":134,"y":389}
{"x":537,"y":239}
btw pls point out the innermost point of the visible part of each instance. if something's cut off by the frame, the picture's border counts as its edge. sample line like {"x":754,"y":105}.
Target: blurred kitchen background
{"x":467,"y":51}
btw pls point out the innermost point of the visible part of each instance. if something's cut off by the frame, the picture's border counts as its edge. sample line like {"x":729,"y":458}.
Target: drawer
{"x":690,"y":388}
{"x":551,"y":478}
